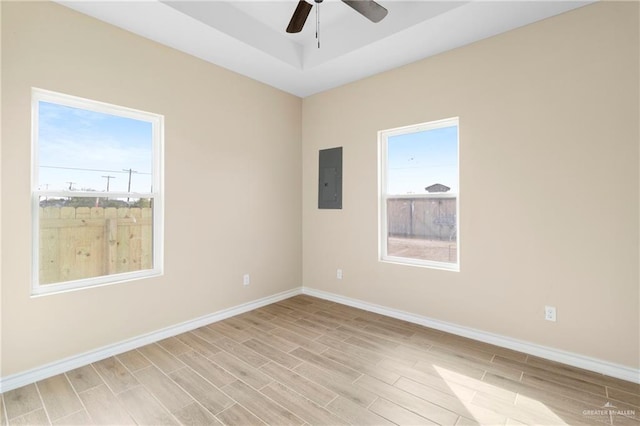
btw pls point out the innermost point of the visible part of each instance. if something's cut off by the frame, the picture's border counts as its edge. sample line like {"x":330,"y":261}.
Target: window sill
{"x":454,"y":267}
{"x":68,"y":286}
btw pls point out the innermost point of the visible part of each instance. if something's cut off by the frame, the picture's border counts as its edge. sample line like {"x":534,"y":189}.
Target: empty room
{"x":320,"y":212}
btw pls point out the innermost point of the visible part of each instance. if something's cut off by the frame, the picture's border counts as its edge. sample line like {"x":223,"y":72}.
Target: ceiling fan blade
{"x":368,"y":8}
{"x":299,"y":17}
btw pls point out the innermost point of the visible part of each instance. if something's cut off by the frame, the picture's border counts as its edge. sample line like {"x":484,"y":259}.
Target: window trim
{"x":157,"y":193}
{"x":383,"y":196}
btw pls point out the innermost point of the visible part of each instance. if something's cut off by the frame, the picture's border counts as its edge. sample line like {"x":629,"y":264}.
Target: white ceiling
{"x":249,"y":37}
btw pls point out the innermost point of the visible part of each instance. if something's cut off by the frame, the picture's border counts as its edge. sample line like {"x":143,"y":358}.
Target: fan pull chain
{"x":318,"y":22}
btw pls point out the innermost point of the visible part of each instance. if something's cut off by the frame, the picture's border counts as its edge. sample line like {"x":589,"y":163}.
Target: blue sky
{"x":100,"y":144}
{"x":420,"y":159}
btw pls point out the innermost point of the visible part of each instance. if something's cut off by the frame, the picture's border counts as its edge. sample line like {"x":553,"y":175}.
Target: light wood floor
{"x":309,"y":361}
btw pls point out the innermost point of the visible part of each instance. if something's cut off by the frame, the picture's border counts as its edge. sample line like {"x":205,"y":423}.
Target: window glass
{"x":97,"y":198}
{"x":420,"y":194}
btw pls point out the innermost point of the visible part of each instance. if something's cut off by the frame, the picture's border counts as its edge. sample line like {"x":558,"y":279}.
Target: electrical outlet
{"x":339,"y":274}
{"x":246,"y":279}
{"x":550,"y":313}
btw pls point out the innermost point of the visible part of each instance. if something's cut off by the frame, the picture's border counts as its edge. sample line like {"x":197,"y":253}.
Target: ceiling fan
{"x":367,"y":8}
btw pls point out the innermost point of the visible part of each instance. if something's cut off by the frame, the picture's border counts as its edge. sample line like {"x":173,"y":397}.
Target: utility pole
{"x":70,"y":185}
{"x":108,"y":180}
{"x":130,"y":172}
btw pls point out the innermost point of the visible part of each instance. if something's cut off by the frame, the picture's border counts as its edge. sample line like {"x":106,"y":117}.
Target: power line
{"x":93,"y":170}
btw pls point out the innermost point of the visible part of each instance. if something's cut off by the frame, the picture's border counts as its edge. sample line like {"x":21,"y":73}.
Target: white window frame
{"x":383,"y":195}
{"x":157,"y":193}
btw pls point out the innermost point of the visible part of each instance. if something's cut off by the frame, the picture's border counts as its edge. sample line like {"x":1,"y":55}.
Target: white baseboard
{"x":21,"y":379}
{"x":573,"y":359}
{"x":610,"y":369}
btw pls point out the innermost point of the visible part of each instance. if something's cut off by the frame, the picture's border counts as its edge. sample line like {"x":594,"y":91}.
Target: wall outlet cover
{"x":550,"y":313}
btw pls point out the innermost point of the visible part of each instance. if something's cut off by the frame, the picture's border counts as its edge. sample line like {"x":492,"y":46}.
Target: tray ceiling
{"x":249,"y":37}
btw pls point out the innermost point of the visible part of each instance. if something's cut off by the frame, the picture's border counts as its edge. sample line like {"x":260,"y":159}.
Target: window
{"x":419,"y":195}
{"x":96,"y":193}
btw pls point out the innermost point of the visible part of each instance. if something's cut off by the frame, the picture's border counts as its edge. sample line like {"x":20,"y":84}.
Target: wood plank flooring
{"x":306,"y":361}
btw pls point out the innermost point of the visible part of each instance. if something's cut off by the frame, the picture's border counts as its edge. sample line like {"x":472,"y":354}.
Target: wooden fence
{"x":427,"y":218}
{"x":84,"y":242}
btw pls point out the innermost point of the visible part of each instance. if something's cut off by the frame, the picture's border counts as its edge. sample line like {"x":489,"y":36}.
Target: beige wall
{"x":232,"y":155}
{"x":549,"y":180}
{"x":549,"y":183}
